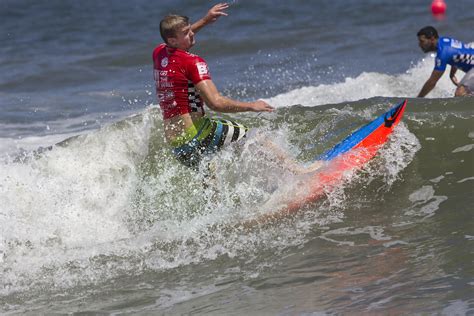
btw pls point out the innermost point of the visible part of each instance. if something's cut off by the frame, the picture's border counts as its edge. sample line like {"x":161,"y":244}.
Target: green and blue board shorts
{"x":205,"y":138}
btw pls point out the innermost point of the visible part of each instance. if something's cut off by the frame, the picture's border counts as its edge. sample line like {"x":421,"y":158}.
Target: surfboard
{"x":370,"y":136}
{"x":349,"y":155}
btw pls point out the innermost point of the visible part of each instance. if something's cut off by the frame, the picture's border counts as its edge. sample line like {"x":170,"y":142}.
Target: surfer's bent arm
{"x":215,"y":101}
{"x":452,"y":75}
{"x":430,"y":83}
{"x":212,"y":15}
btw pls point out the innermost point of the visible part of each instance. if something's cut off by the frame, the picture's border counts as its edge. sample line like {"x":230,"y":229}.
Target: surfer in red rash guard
{"x":184,"y":84}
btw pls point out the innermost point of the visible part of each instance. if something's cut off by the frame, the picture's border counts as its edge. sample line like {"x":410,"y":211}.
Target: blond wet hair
{"x":171,"y":24}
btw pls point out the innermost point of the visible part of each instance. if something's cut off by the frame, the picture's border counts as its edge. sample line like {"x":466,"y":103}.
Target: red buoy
{"x":438,"y":7}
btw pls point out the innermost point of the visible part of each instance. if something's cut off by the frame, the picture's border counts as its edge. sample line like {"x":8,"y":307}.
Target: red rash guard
{"x":176,"y":73}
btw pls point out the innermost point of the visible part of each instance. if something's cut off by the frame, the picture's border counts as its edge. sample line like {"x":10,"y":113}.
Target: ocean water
{"x":95,"y":218}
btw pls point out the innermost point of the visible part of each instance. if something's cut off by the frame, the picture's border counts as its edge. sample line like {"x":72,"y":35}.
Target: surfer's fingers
{"x":217,"y":11}
{"x":218,"y":8}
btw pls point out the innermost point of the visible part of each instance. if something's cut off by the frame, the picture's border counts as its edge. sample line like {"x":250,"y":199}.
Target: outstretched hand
{"x":215,"y":12}
{"x":262,"y":106}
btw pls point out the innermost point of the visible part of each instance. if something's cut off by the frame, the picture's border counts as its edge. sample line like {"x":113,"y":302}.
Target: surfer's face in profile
{"x":427,"y":44}
{"x":184,"y":38}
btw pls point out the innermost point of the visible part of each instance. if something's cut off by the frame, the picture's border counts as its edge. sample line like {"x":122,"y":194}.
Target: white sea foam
{"x":399,"y":152}
{"x":425,"y":202}
{"x":368,"y":85}
{"x":374,"y":232}
{"x":12,"y":146}
{"x":66,"y":202}
{"x":56,"y":131}
{"x":463,"y":148}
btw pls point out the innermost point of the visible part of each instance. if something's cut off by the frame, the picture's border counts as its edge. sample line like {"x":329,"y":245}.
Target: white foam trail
{"x":399,"y":153}
{"x":368,"y":85}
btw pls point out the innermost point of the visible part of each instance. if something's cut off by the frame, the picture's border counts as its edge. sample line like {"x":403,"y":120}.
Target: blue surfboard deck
{"x":386,"y":120}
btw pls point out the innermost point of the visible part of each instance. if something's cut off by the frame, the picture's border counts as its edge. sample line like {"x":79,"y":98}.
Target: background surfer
{"x":448,"y":51}
{"x":183,"y":82}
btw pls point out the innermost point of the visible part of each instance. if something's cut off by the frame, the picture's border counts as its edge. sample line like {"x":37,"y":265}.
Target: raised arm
{"x":215,"y":101}
{"x":212,"y":15}
{"x":430,"y":83}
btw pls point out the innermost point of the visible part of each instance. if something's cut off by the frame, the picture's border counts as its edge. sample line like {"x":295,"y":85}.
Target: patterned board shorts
{"x":468,"y":80}
{"x":211,"y":136}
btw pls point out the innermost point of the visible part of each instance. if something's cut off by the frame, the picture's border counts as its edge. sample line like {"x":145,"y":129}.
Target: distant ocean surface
{"x":96,"y":218}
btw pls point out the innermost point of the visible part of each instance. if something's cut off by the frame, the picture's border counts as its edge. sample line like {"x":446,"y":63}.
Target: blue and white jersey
{"x":455,"y":53}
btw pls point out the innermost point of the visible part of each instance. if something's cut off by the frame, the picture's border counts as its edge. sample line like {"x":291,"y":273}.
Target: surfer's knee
{"x":461,"y":91}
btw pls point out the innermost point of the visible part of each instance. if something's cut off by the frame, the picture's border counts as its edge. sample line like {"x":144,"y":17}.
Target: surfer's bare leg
{"x":466,"y":86}
{"x":311,"y":168}
{"x":209,"y":181}
{"x":461,"y":91}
